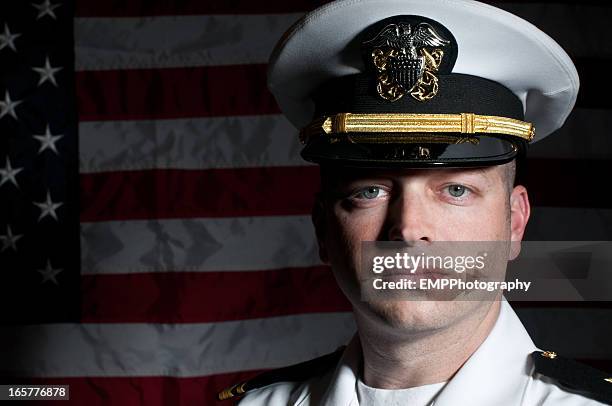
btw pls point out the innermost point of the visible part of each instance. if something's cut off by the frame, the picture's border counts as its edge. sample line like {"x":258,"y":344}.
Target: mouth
{"x":419,"y":273}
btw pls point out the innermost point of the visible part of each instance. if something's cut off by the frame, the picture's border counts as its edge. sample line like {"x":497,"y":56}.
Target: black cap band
{"x":459,"y":93}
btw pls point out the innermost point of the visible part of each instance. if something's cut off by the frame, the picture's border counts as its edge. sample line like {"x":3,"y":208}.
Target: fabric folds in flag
{"x":156,"y":242}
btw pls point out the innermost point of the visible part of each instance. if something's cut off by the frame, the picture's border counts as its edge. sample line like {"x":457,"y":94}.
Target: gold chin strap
{"x":443,"y":125}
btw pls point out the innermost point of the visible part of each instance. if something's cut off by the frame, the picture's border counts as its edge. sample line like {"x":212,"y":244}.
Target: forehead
{"x":337,"y":175}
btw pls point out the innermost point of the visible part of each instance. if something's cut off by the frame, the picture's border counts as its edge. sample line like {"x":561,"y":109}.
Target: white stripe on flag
{"x":211,"y":244}
{"x":267,"y":141}
{"x":176,"y":41}
{"x":181,"y":350}
{"x":236,"y":244}
{"x":208,"y":40}
{"x":187,"y":350}
{"x":184,"y":350}
{"x":193,"y":143}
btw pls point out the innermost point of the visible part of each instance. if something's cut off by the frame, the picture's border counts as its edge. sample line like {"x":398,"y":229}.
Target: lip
{"x":419,"y":273}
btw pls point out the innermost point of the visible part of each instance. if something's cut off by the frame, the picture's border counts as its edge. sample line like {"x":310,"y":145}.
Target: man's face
{"x":417,"y":205}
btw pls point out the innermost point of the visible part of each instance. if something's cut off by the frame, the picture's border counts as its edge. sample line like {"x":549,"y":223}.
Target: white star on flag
{"x":7,"y":106}
{"x":9,"y":240}
{"x":49,"y":273}
{"x":46,"y":8}
{"x":8,"y":173}
{"x":7,"y":39}
{"x":48,"y":140}
{"x":47,"y":72}
{"x":48,"y":208}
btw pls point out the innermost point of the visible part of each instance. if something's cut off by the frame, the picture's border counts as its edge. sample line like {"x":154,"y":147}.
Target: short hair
{"x":510,"y":175}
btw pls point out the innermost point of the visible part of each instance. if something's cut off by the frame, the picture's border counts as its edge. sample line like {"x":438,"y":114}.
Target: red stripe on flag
{"x":205,"y":297}
{"x":267,"y":191}
{"x":190,"y":193}
{"x":141,"y":391}
{"x":208,"y":91}
{"x":566,"y":182}
{"x":173,"y":93}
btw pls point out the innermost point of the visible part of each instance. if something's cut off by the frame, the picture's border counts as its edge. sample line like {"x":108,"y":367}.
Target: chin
{"x":408,"y":315}
{"x":413,"y":316}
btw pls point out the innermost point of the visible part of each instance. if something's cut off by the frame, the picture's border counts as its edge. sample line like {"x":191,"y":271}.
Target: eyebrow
{"x":477,"y":172}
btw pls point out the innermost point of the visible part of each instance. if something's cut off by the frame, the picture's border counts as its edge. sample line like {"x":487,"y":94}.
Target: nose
{"x":409,"y":220}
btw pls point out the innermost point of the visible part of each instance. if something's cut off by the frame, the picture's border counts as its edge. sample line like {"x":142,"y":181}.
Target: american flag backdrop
{"x":155,"y":234}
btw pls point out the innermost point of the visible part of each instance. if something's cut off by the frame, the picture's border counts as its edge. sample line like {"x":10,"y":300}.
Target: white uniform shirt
{"x":417,"y":396}
{"x":499,"y":373}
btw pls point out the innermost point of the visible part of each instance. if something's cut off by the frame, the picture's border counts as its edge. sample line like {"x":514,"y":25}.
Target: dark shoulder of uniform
{"x":293,"y":373}
{"x":574,"y":376}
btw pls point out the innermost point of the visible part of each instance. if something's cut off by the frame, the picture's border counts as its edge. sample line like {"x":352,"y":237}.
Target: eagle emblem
{"x":406,"y":59}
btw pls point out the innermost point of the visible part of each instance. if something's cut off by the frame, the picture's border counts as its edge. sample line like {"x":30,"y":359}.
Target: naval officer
{"x":418,"y":112}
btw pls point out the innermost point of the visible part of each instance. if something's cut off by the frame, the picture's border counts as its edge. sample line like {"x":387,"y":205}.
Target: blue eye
{"x":368,"y":196}
{"x":457,"y":190}
{"x":371,"y":192}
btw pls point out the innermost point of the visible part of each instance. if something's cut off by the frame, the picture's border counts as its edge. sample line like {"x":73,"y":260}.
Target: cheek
{"x":359,"y":224}
{"x":485,"y":221}
{"x":347,"y":229}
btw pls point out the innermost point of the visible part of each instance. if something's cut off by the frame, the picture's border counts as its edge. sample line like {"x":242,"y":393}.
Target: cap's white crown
{"x":492,"y":43}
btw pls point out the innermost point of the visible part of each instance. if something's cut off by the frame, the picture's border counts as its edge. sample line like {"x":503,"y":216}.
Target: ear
{"x":320,"y":225}
{"x":520,"y":209}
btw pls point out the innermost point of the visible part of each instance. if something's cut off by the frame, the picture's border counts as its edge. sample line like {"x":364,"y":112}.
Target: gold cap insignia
{"x":404,"y":64}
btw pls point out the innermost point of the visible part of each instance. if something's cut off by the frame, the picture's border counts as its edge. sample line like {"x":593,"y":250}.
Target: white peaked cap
{"x":492,"y":44}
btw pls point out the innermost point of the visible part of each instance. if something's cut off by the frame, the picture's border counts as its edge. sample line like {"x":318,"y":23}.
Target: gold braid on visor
{"x":397,"y":127}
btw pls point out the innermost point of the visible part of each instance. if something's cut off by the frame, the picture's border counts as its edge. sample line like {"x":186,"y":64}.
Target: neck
{"x":396,"y":361}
